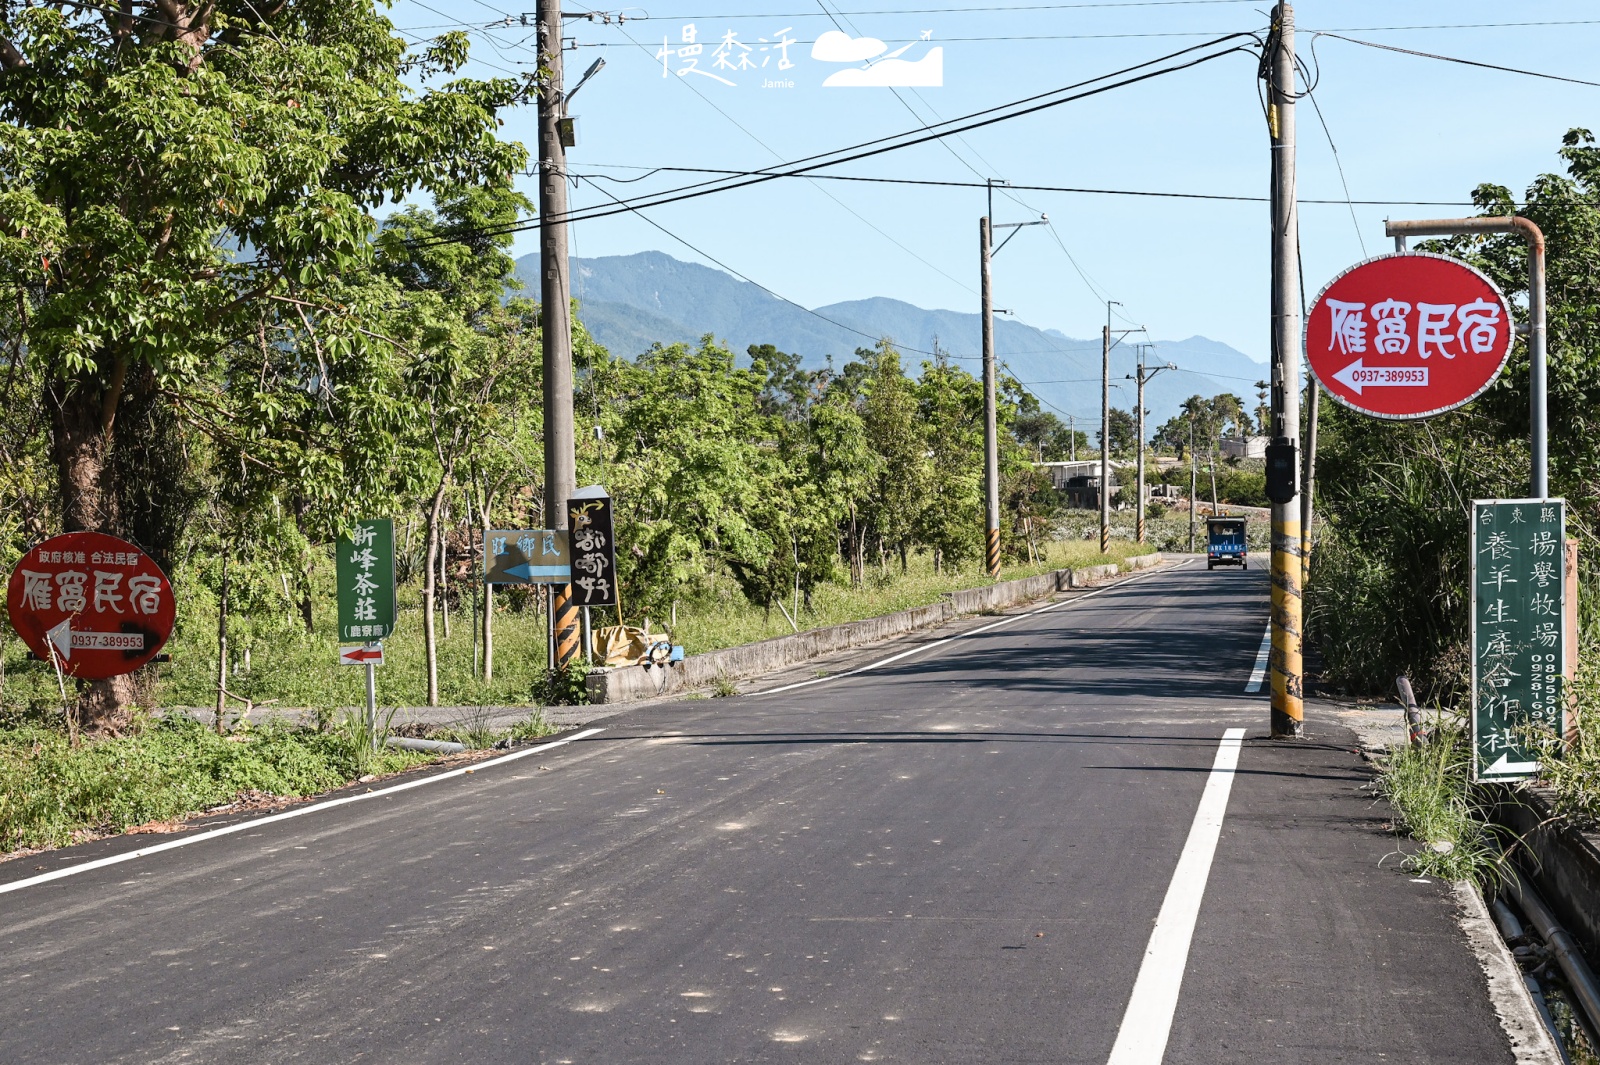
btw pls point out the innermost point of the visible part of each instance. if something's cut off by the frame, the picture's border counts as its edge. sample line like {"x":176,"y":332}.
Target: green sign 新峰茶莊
{"x":1518,"y":632}
{"x":364,"y":565}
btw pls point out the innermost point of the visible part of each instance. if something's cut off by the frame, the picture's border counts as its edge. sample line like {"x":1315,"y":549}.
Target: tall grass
{"x":1438,"y":807}
{"x":52,"y":793}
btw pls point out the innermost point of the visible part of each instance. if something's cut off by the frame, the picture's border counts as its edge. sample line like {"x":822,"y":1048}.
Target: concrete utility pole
{"x":555,"y":307}
{"x":1194,"y":478}
{"x":991,"y":433}
{"x":1141,"y":374}
{"x":1105,"y":432}
{"x":991,"y":437}
{"x":1288,"y":711}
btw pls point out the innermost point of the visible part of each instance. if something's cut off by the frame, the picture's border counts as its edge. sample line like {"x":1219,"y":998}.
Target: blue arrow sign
{"x":528,"y":572}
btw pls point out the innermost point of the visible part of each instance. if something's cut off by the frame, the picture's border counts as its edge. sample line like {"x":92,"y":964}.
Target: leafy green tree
{"x":950,"y":409}
{"x":894,"y":503}
{"x":1124,"y":432}
{"x":179,"y":187}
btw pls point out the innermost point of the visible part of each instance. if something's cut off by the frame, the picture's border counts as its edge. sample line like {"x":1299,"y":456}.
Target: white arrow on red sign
{"x":361,"y":654}
{"x":64,"y":638}
{"x":1358,"y":375}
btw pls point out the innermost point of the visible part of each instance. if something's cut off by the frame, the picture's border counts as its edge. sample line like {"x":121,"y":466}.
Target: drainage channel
{"x":1563,"y":987}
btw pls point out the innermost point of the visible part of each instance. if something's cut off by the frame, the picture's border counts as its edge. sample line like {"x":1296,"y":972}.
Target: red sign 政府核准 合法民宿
{"x":1408,"y":336}
{"x":96,"y":605}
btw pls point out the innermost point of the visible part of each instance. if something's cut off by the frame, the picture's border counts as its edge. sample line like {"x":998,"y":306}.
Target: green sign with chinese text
{"x":364,"y":564}
{"x":1518,"y":637}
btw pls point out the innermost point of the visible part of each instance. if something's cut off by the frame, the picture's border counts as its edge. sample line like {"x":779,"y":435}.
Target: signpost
{"x":1518,"y":633}
{"x":364,"y":567}
{"x":1408,"y":336}
{"x":92,"y":605}
{"x":527,"y":556}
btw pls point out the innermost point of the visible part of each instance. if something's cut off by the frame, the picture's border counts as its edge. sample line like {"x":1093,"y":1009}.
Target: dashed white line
{"x":1259,"y":674}
{"x":1142,"y":1039}
{"x":202,"y":837}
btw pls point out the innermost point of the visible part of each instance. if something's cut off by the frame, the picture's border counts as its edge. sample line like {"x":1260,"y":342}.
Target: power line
{"x":881,"y":145}
{"x":1453,"y":59}
{"x":937,"y":183}
{"x":947,"y":10}
{"x":859,"y":217}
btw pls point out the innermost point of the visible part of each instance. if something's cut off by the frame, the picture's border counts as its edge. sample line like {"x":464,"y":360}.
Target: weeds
{"x":51,"y":793}
{"x":567,"y":687}
{"x":1438,"y":807}
{"x":723,"y":687}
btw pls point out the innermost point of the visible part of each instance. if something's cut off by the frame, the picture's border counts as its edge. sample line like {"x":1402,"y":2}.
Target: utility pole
{"x":1288,"y":711}
{"x":555,"y":309}
{"x":1072,"y":435}
{"x":991,"y":433}
{"x":1142,"y":373}
{"x":1194,"y":478}
{"x":1105,"y":432}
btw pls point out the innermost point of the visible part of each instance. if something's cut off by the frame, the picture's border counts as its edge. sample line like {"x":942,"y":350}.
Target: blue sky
{"x":1406,"y":129}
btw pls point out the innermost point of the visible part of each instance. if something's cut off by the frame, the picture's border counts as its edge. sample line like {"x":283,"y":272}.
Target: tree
{"x":950,"y":408}
{"x":1124,"y":432}
{"x":462,"y":341}
{"x":895,"y":501}
{"x":188,"y":184}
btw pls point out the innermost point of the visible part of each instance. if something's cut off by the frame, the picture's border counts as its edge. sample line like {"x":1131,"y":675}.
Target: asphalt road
{"x":958,"y":857}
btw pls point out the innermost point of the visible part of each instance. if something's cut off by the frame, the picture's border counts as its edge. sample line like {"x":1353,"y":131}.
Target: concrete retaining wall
{"x":1564,"y":866}
{"x":628,"y":683}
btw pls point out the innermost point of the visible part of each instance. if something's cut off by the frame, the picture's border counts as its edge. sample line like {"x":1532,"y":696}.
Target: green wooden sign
{"x":1518,"y":632}
{"x":365,"y":568}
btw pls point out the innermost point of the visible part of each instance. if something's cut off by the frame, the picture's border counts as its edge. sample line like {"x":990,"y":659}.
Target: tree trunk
{"x":222,"y":653}
{"x":444,"y":574}
{"x":430,"y":570}
{"x":81,"y":445}
{"x":488,"y":596}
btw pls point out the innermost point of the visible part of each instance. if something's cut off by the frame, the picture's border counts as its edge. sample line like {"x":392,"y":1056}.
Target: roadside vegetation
{"x":1445,"y":816}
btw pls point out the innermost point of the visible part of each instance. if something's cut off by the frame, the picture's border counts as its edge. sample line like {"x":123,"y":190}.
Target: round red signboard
{"x":1408,"y":336}
{"x":95,"y":604}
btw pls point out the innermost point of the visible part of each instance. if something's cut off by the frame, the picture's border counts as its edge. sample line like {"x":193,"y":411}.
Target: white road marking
{"x":1259,"y":674}
{"x":930,"y":645}
{"x":301,"y":811}
{"x":1142,"y":1039}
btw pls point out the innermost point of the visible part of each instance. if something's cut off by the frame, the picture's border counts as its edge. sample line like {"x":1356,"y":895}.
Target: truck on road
{"x":1225,"y":543}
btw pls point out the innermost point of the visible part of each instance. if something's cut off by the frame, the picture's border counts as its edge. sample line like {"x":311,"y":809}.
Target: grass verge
{"x":1438,"y":807}
{"x":53,"y":794}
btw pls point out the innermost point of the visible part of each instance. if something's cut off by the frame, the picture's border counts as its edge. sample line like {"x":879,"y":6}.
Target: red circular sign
{"x":1408,"y":336}
{"x":95,"y":604}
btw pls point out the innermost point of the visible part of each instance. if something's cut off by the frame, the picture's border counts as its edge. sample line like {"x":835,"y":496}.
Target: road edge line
{"x":299,"y":811}
{"x":1147,"y":1022}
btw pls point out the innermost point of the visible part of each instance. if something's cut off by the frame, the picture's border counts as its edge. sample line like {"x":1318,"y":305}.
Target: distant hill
{"x":629,"y":302}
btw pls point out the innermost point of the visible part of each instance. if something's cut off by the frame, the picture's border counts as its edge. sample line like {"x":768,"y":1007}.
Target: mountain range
{"x":629,"y":302}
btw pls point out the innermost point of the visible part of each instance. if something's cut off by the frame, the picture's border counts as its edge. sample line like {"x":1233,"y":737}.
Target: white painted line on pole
{"x":1142,"y":1039}
{"x":1259,"y":674}
{"x":931,"y":644}
{"x":301,"y":811}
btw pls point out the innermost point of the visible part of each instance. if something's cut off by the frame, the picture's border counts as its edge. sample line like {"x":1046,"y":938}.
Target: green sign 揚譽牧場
{"x":1518,"y":573}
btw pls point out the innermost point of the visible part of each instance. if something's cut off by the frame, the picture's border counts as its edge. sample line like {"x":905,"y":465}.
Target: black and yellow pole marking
{"x":567,"y":625}
{"x":1288,"y":707}
{"x":991,"y":552}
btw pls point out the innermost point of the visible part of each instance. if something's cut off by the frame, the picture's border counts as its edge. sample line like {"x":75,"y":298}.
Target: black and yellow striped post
{"x":1288,"y":707}
{"x":991,"y":550}
{"x":567,"y":625}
